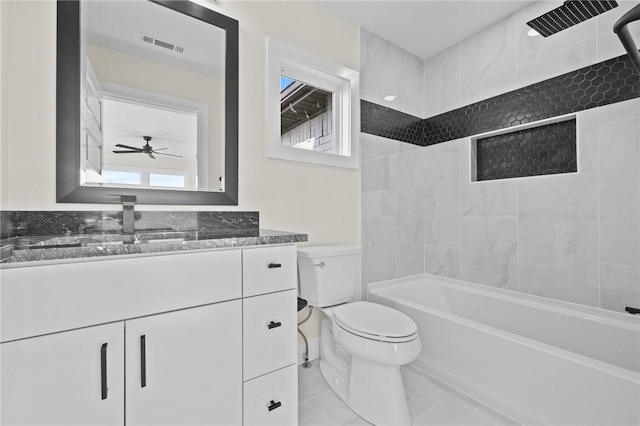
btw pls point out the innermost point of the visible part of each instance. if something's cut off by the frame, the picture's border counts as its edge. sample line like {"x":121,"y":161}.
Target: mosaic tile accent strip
{"x":542,"y":150}
{"x":604,"y":83}
{"x":389,"y":123}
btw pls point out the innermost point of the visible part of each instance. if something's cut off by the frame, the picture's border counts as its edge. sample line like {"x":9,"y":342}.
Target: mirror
{"x":147,"y":103}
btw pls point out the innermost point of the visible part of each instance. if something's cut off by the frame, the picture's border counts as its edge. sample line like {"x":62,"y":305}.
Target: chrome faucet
{"x":128,"y":213}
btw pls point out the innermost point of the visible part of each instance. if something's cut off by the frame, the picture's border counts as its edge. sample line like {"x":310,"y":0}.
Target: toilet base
{"x":373,"y":391}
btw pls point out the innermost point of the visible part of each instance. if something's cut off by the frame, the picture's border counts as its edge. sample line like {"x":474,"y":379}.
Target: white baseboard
{"x":314,"y":350}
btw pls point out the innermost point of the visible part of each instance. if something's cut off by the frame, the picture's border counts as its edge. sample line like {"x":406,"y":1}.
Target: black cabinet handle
{"x":143,"y":361}
{"x":274,"y":324}
{"x":274,"y":265}
{"x":273,"y":405}
{"x":103,"y":371}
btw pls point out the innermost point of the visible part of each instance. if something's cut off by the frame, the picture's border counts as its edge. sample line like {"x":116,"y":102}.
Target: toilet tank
{"x":329,"y":274}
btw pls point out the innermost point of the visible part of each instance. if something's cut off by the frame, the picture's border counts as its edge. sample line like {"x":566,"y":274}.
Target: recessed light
{"x":533,"y":33}
{"x":390,"y":98}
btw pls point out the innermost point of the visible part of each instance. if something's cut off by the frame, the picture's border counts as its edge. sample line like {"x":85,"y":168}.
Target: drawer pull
{"x":273,"y":405}
{"x":274,"y":324}
{"x":103,"y":371}
{"x":143,"y":361}
{"x":274,"y":265}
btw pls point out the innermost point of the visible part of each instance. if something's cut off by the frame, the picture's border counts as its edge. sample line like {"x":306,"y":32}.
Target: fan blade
{"x":151,"y":155}
{"x":159,"y":149}
{"x":171,"y":155}
{"x":129,"y":147}
{"x":127,"y":152}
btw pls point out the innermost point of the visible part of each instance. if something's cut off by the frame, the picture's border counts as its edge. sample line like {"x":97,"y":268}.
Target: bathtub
{"x":536,"y":360}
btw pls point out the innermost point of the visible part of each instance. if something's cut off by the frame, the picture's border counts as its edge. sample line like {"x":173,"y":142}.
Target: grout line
{"x":314,"y":397}
{"x":598,"y":215}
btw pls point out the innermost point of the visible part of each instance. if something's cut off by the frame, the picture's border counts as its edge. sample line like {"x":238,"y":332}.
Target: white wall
{"x":321,"y":201}
{"x":571,"y":237}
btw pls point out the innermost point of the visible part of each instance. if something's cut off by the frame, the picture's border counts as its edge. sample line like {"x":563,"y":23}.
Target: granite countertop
{"x":19,"y":251}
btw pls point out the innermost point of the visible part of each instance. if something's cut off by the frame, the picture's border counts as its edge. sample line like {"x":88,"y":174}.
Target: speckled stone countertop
{"x":55,"y":237}
{"x":84,"y":246}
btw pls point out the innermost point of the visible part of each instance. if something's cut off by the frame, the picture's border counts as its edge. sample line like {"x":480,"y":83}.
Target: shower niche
{"x":542,"y":148}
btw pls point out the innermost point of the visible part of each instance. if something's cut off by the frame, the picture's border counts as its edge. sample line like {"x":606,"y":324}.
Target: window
{"x":313,"y":108}
{"x":118,"y":176}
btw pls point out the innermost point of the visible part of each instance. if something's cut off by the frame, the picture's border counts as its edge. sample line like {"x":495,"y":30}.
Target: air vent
{"x":167,"y":45}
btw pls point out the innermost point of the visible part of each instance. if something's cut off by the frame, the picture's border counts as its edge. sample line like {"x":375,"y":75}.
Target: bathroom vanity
{"x":204,"y":336}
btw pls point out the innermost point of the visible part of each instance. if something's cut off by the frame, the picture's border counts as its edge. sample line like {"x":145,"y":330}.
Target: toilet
{"x":362,"y":344}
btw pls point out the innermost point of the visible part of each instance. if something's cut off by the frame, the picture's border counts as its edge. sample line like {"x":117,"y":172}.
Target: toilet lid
{"x":375,"y":321}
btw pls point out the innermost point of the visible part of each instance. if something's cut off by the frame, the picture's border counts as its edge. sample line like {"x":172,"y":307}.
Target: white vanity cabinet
{"x":69,"y":378}
{"x":184,"y":367}
{"x":150,"y":340}
{"x":270,"y":336}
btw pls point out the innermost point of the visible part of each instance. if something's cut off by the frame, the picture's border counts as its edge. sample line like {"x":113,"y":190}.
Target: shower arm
{"x":620,"y":28}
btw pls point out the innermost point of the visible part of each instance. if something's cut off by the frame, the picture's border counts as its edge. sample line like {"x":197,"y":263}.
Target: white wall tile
{"x":376,"y":174}
{"x":489,"y":251}
{"x":441,"y":194}
{"x":442,"y":212}
{"x":488,"y":62}
{"x":620,"y":286}
{"x":378,"y":203}
{"x":442,"y":82}
{"x":377,"y":64}
{"x":379,"y":249}
{"x":372,"y":146}
{"x":558,"y":62}
{"x":587,"y":140}
{"x":558,"y":237}
{"x":390,"y":70}
{"x":441,"y":260}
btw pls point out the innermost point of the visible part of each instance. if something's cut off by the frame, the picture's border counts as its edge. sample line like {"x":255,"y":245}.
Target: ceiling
{"x":121,"y":26}
{"x":424,"y":27}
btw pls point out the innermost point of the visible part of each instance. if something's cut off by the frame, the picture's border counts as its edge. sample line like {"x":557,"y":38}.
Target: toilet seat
{"x":375,"y":322}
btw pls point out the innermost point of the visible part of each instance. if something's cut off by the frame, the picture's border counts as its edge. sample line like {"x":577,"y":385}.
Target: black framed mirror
{"x":173,"y":140}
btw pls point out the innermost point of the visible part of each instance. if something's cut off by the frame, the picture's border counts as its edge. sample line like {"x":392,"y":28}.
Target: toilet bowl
{"x":362,"y":344}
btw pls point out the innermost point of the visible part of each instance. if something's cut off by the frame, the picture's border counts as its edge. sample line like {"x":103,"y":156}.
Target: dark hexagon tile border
{"x":607,"y":82}
{"x":541,"y":150}
{"x":390,"y":123}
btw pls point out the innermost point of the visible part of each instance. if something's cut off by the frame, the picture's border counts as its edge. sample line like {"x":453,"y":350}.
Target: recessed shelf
{"x":543,"y":148}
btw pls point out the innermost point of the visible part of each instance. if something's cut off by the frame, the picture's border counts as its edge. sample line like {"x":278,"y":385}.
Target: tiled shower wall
{"x":573,"y":237}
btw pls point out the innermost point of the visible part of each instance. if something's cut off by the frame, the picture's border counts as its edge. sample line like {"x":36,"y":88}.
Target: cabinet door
{"x":70,"y":378}
{"x":185,"y":367}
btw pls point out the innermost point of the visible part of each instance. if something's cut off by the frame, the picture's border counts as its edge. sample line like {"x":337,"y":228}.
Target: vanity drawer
{"x":272,"y":399}
{"x":269,"y":332}
{"x":268,"y":269}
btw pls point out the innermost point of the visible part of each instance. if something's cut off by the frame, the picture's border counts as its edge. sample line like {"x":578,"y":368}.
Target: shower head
{"x":572,"y":12}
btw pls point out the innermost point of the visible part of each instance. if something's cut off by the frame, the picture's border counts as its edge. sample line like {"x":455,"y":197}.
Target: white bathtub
{"x":537,"y":360}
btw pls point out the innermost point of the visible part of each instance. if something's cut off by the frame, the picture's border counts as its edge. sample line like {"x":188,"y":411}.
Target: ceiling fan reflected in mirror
{"x":146,"y":149}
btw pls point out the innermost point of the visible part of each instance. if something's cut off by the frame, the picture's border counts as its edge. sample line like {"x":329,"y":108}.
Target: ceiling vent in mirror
{"x":149,"y":39}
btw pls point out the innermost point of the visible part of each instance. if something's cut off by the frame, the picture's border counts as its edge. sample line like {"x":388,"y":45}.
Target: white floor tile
{"x":424,"y":389}
{"x":460,"y":410}
{"x":431,"y":403}
{"x":326,"y":410}
{"x":310,"y":383}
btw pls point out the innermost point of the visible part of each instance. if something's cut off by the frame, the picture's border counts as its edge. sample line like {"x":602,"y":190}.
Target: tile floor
{"x":431,"y":403}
